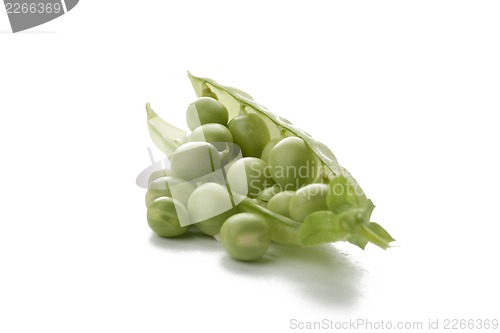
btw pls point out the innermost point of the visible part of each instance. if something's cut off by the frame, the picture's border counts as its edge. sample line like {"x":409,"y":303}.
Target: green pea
{"x":267,"y":149}
{"x":211,"y":133}
{"x":245,"y":236}
{"x":194,"y":159}
{"x":159,"y":173}
{"x":249,"y":132}
{"x":169,"y":186}
{"x":280,"y":203}
{"x":292,"y":163}
{"x":164,"y":216}
{"x":209,"y":206}
{"x":307,"y":200}
{"x":266,"y":194}
{"x":248,"y":176}
{"x":206,"y":110}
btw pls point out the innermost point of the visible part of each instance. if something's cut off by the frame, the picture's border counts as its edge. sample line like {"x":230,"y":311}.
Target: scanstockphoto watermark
{"x":353,"y":324}
{"x":365,"y":324}
{"x":26,"y":14}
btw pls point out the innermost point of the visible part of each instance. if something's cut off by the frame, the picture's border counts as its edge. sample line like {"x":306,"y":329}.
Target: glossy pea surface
{"x":194,"y":159}
{"x":307,"y":200}
{"x":249,"y":176}
{"x":249,"y":132}
{"x":267,"y":149}
{"x":206,"y":110}
{"x":266,"y":194}
{"x":280,"y":203}
{"x":245,"y":236}
{"x":211,"y":133}
{"x":292,"y":163}
{"x":209,"y":206}
{"x":164,"y":215}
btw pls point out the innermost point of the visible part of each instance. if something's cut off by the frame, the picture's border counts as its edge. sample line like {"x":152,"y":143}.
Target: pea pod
{"x":165,"y":136}
{"x":342,"y":212}
{"x":329,"y":170}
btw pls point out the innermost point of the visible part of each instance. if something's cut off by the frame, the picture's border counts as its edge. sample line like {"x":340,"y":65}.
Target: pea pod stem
{"x":283,"y":230}
{"x":364,"y":231}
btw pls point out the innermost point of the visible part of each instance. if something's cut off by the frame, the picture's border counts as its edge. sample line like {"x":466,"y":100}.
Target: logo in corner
{"x":26,"y":14}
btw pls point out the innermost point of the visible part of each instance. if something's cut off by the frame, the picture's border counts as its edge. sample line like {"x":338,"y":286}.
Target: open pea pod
{"x":349,"y":210}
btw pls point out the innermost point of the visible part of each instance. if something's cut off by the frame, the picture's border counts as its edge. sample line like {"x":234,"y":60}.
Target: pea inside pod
{"x":267,"y":149}
{"x":249,"y":132}
{"x":292,"y":163}
{"x":280,"y":203}
{"x":211,"y":133}
{"x":206,"y":110}
{"x":194,"y":160}
{"x":266,"y":194}
{"x":249,"y":176}
{"x":307,"y":200}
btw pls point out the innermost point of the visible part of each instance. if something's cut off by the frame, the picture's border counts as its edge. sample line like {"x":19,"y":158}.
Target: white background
{"x":405,"y":93}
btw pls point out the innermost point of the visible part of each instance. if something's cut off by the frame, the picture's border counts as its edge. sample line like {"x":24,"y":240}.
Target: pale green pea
{"x":249,"y":176}
{"x":169,"y":186}
{"x":292,"y":163}
{"x":194,"y":159}
{"x":206,"y":110}
{"x":307,"y":200}
{"x":211,"y":133}
{"x":280,"y":203}
{"x":164,"y":215}
{"x":249,"y":132}
{"x":245,"y":236}
{"x":267,"y":149}
{"x":209,"y":206}
{"x":266,"y":194}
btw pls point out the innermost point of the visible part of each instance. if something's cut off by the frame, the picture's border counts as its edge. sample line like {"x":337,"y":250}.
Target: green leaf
{"x":381,"y":232}
{"x":367,"y":211}
{"x":165,"y":136}
{"x":322,"y":227}
{"x":343,"y":195}
{"x":358,"y":240}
